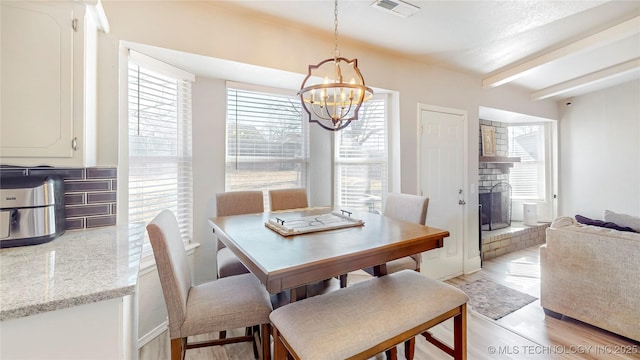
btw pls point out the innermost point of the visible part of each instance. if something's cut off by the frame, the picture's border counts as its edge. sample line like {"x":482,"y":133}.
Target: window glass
{"x":267,"y":141}
{"x":361,"y":159}
{"x":527,"y":177}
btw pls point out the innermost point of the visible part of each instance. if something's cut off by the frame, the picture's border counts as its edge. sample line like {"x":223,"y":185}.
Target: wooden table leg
{"x":380,"y":270}
{"x":298,"y":293}
{"x":343,"y":281}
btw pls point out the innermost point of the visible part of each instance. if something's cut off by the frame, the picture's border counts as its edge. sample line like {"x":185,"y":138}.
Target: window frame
{"x":182,"y":159}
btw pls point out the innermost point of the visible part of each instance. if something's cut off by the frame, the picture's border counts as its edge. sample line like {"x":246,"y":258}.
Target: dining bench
{"x":370,"y":317}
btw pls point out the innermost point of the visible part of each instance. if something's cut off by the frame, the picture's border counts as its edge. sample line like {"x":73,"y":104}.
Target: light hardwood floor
{"x":523,"y":334}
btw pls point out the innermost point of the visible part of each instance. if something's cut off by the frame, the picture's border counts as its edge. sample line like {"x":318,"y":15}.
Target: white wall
{"x":209,"y":99}
{"x":599,"y":166}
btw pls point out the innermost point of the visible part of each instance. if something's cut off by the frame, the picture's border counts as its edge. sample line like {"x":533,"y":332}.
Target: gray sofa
{"x":592,"y":274}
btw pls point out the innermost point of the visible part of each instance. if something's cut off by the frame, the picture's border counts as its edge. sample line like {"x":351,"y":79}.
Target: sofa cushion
{"x":623,"y":220}
{"x":605,"y":224}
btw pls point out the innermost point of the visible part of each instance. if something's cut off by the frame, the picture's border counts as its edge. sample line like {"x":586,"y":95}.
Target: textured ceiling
{"x":556,"y":49}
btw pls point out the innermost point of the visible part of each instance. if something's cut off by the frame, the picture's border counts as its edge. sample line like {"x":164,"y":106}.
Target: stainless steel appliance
{"x":31,"y":210}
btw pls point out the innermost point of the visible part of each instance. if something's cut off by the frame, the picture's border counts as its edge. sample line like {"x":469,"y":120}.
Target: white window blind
{"x":267,"y":141}
{"x":361,"y":159}
{"x":160,"y":177}
{"x":527,"y":177}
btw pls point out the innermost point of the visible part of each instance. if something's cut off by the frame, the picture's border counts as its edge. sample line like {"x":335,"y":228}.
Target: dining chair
{"x":233,"y":302}
{"x":409,"y":208}
{"x":284,"y":199}
{"x":235,"y":203}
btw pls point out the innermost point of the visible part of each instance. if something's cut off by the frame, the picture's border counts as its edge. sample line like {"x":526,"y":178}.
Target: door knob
{"x":461,"y":202}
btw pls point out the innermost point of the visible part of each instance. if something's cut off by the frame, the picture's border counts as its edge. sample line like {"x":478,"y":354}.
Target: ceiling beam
{"x":592,"y":78}
{"x":608,"y":36}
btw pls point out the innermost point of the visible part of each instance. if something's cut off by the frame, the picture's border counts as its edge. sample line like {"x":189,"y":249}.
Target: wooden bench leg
{"x":459,"y":350}
{"x":392,"y":354}
{"x":410,"y":348}
{"x":460,"y":334}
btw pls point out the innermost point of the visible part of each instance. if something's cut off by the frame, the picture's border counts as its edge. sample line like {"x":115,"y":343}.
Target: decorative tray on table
{"x":313,"y":223}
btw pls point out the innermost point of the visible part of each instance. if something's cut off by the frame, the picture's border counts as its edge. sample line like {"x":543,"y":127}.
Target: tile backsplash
{"x":89,"y":193}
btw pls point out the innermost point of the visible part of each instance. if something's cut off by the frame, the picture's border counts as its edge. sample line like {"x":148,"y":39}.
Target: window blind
{"x":361,"y":159}
{"x":527,"y":177}
{"x":160,"y":175}
{"x":267,"y":141}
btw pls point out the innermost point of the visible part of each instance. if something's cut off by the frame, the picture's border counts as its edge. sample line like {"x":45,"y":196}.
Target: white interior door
{"x":441,"y":146}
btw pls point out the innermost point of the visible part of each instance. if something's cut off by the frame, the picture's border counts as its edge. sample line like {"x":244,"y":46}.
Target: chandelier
{"x":328,"y":100}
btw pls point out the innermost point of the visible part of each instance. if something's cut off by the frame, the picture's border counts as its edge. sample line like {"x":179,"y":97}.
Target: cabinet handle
{"x":74,"y":144}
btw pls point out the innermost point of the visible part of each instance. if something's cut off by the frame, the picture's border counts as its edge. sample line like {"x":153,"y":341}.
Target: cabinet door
{"x":37,"y":78}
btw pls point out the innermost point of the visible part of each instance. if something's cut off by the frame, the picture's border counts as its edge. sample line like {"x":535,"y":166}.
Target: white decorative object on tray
{"x":313,"y":223}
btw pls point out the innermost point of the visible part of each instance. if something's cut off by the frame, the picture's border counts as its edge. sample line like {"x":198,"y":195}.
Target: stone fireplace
{"x":494,"y":190}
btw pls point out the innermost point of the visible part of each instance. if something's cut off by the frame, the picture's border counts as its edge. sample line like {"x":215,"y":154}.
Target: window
{"x":267,"y":141}
{"x":361,"y":160}
{"x":527,"y":177}
{"x":159,"y":103}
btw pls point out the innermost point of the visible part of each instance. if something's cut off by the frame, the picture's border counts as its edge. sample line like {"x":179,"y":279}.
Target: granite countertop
{"x":79,"y":267}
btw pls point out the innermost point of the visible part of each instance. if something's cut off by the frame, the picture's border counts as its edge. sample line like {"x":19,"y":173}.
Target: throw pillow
{"x":609,"y":225}
{"x":562,"y":222}
{"x":623,"y":219}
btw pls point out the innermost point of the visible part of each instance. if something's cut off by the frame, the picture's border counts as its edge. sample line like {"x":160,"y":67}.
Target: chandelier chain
{"x":336,"y":52}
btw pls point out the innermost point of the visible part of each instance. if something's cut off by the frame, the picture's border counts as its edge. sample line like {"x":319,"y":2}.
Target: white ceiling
{"x":556,"y":49}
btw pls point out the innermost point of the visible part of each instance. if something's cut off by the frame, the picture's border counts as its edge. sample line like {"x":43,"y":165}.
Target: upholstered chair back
{"x":173,"y":269}
{"x":407,"y":207}
{"x":284,"y":199}
{"x":239,"y":202}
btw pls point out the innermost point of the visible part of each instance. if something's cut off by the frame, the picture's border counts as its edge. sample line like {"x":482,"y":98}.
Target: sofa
{"x":592,"y":274}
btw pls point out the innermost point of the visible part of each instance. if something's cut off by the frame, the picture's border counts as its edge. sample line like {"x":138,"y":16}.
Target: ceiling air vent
{"x":396,"y":7}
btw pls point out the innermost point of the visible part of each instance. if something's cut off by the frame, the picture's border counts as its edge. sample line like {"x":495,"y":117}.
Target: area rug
{"x":494,"y":300}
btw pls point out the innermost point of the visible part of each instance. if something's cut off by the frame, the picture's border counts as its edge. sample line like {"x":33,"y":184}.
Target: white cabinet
{"x":48,"y":108}
{"x":102,"y":330}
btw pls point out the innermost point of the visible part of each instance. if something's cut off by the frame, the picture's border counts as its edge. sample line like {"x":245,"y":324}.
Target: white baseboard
{"x":157,"y":331}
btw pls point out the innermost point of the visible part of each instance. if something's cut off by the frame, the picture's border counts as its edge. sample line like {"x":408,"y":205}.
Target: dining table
{"x":292,"y":261}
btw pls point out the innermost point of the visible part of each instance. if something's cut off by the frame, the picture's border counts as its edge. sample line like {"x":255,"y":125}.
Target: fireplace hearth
{"x":495,"y":207}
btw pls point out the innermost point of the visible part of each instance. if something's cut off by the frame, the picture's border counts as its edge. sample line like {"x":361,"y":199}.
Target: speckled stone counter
{"x":79,"y":267}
